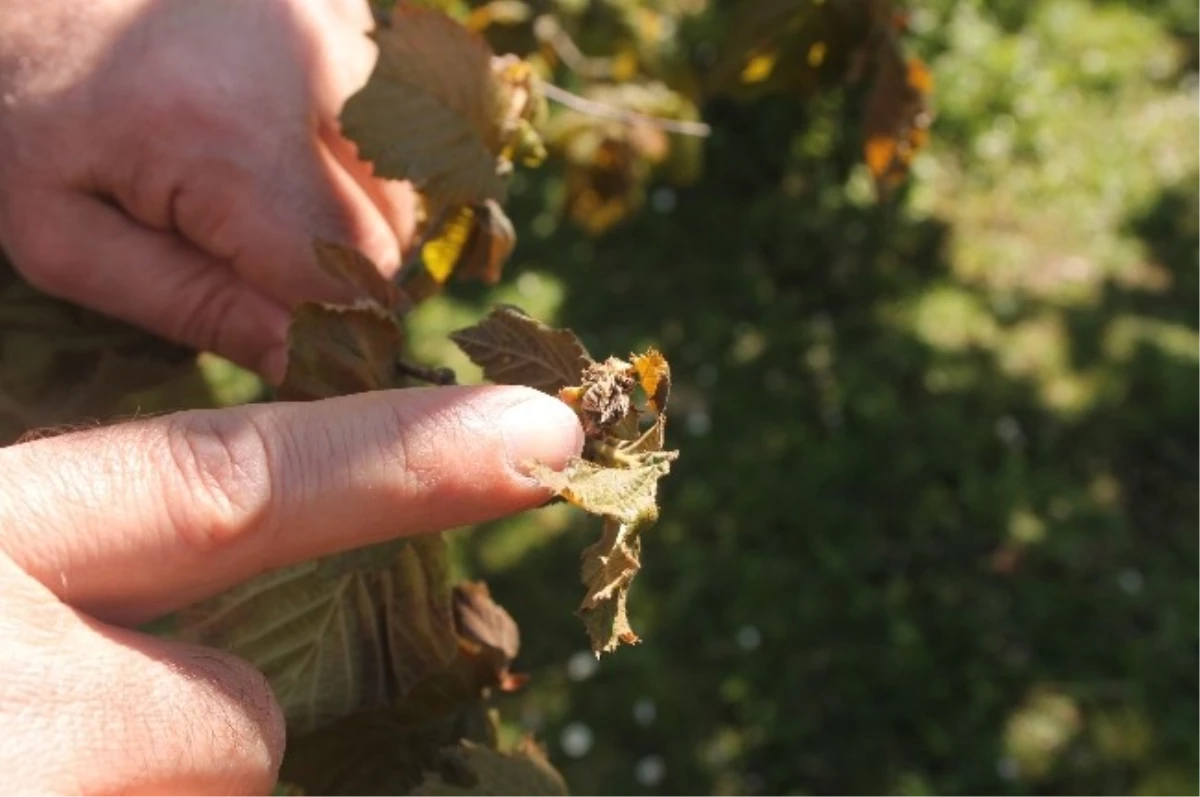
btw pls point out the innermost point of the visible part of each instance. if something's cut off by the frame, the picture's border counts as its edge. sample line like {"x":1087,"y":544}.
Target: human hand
{"x":168,"y":162}
{"x":104,"y":529}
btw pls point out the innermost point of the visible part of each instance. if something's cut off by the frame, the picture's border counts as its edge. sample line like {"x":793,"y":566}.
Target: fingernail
{"x":540,"y":428}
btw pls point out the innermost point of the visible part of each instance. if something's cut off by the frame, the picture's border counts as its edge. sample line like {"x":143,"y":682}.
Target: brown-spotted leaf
{"x":336,"y":350}
{"x":472,"y":769}
{"x":352,"y":267}
{"x":433,"y":111}
{"x":514,"y":349}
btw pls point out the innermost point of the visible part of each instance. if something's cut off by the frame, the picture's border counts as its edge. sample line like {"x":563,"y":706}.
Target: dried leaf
{"x":470,"y":769}
{"x":608,"y":568}
{"x":481,"y":620}
{"x":514,"y":349}
{"x":348,"y":265}
{"x":618,"y":479}
{"x":336,"y":350}
{"x":432,"y":111}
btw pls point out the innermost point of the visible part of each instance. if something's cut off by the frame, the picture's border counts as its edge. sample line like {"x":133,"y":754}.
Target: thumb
{"x":90,"y":708}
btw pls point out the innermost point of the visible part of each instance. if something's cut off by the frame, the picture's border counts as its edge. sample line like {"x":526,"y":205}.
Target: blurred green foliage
{"x":934,"y":526}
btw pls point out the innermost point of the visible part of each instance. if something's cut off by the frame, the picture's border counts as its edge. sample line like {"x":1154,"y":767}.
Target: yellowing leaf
{"x":625,"y":496}
{"x":473,"y":243}
{"x":433,"y":111}
{"x":655,"y":376}
{"x":759,"y":66}
{"x":514,"y":349}
{"x":472,"y":769}
{"x":897,"y":117}
{"x":337,"y":350}
{"x":350,"y":266}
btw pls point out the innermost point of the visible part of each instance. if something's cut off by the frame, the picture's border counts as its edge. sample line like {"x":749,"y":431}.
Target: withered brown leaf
{"x":336,"y":350}
{"x":352,"y":267}
{"x":514,"y":349}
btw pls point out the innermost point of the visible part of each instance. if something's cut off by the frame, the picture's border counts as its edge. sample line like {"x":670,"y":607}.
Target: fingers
{"x":84,"y":251}
{"x":132,"y":521}
{"x":86,"y":708}
{"x":395,"y":200}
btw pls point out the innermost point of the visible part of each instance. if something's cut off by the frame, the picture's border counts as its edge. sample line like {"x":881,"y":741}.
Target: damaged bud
{"x":604,"y":396}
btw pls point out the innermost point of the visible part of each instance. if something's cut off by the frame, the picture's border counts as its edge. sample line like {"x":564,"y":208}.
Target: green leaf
{"x":339,"y":635}
{"x":336,"y":350}
{"x":470,"y":768}
{"x":514,"y":349}
{"x":433,"y":111}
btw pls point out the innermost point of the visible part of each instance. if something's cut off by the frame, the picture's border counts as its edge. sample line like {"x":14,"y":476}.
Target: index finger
{"x":132,"y":521}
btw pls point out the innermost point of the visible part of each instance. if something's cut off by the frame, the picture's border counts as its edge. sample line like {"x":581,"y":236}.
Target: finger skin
{"x":80,"y":249}
{"x":86,"y":708}
{"x":136,"y":520}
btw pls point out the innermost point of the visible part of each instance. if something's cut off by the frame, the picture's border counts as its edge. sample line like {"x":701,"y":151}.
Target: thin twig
{"x":593,"y":108}
{"x":547,"y":30}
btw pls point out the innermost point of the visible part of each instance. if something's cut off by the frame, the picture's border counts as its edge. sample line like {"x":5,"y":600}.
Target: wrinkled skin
{"x":105,"y":529}
{"x":167,"y":162}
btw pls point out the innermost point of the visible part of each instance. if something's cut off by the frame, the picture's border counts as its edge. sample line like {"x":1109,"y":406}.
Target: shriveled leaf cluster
{"x":623,"y":459}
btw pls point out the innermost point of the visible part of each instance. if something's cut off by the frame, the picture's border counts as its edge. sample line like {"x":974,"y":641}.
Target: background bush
{"x":934,"y":527}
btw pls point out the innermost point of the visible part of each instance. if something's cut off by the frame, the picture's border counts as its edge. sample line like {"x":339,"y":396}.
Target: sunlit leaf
{"x":514,"y":349}
{"x":433,"y":111}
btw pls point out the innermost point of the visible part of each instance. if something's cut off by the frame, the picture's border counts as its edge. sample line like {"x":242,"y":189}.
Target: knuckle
{"x":221,"y":488}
